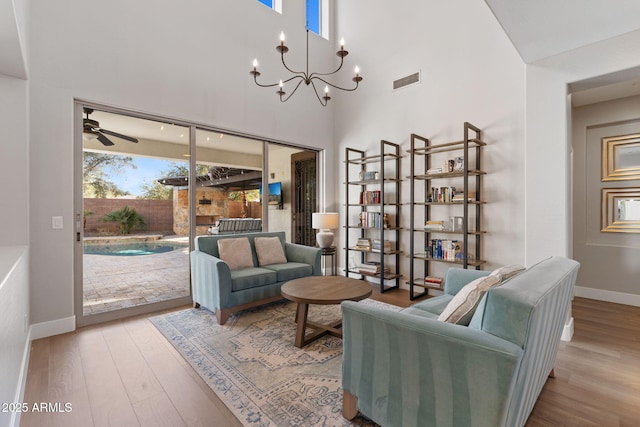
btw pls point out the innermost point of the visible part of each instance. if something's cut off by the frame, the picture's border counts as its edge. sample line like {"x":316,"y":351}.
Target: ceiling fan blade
{"x":119,"y":135}
{"x":105,"y":141}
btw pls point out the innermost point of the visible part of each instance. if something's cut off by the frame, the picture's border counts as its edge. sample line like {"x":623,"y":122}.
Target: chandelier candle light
{"x":306,"y":77}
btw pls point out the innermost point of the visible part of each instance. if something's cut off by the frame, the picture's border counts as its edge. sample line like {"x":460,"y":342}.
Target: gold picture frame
{"x":621,"y":157}
{"x":620,"y":210}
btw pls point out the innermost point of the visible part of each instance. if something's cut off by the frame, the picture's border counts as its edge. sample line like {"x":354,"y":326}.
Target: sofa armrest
{"x":409,"y":370}
{"x":457,"y":278}
{"x":210,"y":280}
{"x":305,"y":254}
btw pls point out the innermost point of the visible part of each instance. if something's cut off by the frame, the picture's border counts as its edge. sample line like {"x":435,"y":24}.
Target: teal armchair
{"x":409,"y":369}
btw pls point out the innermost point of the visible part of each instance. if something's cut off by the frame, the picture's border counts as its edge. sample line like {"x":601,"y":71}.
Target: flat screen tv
{"x":275,"y":194}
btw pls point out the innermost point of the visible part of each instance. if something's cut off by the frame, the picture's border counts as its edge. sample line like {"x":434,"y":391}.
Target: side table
{"x":330,"y":253}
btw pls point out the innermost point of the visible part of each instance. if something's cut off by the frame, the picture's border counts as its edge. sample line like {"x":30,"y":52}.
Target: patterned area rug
{"x":254,"y":368}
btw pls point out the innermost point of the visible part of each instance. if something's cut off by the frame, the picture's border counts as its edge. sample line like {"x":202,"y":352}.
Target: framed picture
{"x":621,"y":157}
{"x":620,"y":210}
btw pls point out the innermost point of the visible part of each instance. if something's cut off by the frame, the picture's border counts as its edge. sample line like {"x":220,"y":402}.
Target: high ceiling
{"x":542,"y":28}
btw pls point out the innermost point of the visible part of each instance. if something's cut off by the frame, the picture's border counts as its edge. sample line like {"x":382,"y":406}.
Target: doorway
{"x":132,"y":257}
{"x":303,"y":196}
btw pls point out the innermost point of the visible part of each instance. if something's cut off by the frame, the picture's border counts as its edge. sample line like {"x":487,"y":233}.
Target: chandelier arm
{"x":335,"y":86}
{"x":276,"y":84}
{"x":300,"y":73}
{"x":294,"y":89}
{"x":312,"y":75}
{"x":324,"y":104}
{"x":255,"y":79}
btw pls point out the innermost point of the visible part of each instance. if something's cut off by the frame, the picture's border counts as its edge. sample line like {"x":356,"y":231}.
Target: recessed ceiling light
{"x":221,"y":135}
{"x":207,"y":138}
{"x":182,"y":135}
{"x":161,"y":127}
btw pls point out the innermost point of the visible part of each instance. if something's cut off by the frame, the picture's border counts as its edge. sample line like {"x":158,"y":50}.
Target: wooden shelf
{"x":386,"y":190}
{"x":469,"y":175}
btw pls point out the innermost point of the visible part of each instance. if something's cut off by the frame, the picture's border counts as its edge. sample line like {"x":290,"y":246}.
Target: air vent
{"x":406,"y":81}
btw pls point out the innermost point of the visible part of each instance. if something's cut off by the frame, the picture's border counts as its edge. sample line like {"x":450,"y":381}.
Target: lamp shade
{"x":324,"y":220}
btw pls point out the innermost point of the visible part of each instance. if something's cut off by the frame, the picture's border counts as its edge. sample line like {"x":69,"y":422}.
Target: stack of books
{"x":434,"y":225}
{"x":380,"y":246}
{"x":433,"y":281}
{"x":459,"y":197}
{"x":371,"y":269}
{"x":363,"y":245}
{"x":433,"y":171}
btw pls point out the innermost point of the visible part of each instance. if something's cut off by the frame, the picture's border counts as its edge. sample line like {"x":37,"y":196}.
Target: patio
{"x":115,"y":282}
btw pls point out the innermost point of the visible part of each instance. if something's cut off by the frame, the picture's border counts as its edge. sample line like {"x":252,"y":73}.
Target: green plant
{"x":86,"y":213}
{"x":126,"y":219}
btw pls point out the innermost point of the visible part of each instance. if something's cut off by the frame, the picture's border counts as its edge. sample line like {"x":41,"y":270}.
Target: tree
{"x":95,"y":179}
{"x":125,"y":218}
{"x":155,"y":190}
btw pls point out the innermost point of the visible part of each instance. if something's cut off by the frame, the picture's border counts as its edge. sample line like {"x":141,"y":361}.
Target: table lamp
{"x":325,"y":222}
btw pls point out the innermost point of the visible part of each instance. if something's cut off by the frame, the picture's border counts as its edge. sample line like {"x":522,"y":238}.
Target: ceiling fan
{"x":93,"y":127}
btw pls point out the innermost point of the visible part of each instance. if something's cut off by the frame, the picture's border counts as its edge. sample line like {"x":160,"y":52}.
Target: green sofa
{"x":224,"y":291}
{"x":409,"y":369}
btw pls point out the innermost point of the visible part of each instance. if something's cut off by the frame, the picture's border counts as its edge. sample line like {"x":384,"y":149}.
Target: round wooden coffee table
{"x":321,"y":290}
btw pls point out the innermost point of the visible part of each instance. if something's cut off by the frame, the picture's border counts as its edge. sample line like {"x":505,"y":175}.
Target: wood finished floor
{"x":124,"y":373}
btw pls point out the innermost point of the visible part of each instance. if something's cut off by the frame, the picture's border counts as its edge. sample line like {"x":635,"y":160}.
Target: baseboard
{"x":22,"y":380}
{"x":608,"y":296}
{"x":567,"y":332}
{"x":54,"y":327}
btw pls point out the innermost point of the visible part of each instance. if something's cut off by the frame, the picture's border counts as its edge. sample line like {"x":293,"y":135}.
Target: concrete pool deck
{"x":115,"y":282}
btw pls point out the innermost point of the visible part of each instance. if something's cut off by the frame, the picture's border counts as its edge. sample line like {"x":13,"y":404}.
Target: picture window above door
{"x":273,"y":4}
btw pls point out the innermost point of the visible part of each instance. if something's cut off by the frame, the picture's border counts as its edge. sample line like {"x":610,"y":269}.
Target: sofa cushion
{"x":236,"y":253}
{"x":507,"y":271}
{"x":252,"y":277}
{"x":290,"y":270}
{"x":269,"y":251}
{"x":462,"y":306}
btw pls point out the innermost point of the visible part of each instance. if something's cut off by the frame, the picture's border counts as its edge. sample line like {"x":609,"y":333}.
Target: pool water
{"x":133,"y":248}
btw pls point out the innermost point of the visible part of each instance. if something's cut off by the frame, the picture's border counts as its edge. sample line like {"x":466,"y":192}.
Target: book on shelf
{"x":381,"y":246}
{"x":371,"y":268}
{"x":434,"y":225}
{"x":373,"y":220}
{"x":370,"y":197}
{"x":434,"y":171}
{"x":441,"y":194}
{"x":434,"y":281}
{"x":363,"y":244}
{"x":447,"y":250}
{"x":459,"y":197}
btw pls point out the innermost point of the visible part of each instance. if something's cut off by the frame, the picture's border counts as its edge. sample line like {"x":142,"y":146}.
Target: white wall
{"x":548,"y":135}
{"x":188,"y":62}
{"x":609,"y":261}
{"x":470,"y":72}
{"x":14,"y":321}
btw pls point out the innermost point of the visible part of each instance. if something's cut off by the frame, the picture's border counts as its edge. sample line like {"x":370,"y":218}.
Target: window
{"x":317,"y":13}
{"x":313,"y":16}
{"x":273,"y":4}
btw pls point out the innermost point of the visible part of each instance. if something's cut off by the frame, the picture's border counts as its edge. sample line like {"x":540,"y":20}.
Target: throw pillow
{"x":236,"y":253}
{"x":461,"y":308}
{"x":507,"y":271}
{"x":269,"y":251}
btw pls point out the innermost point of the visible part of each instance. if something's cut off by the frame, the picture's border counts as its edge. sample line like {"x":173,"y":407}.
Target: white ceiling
{"x":542,"y":28}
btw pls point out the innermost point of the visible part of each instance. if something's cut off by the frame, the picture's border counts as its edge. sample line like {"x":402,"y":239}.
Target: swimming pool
{"x":133,"y":248}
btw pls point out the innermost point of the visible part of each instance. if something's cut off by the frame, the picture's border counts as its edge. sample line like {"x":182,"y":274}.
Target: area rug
{"x":254,"y":368}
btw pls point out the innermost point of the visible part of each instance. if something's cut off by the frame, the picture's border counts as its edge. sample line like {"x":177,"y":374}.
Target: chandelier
{"x":306,"y":77}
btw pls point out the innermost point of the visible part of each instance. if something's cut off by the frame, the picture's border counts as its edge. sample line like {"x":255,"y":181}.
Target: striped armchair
{"x":409,"y":369}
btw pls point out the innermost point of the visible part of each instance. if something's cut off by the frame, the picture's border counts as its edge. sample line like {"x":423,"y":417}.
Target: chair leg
{"x":196,"y":304}
{"x":552,"y":374}
{"x":222,"y":315}
{"x":349,"y":405}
